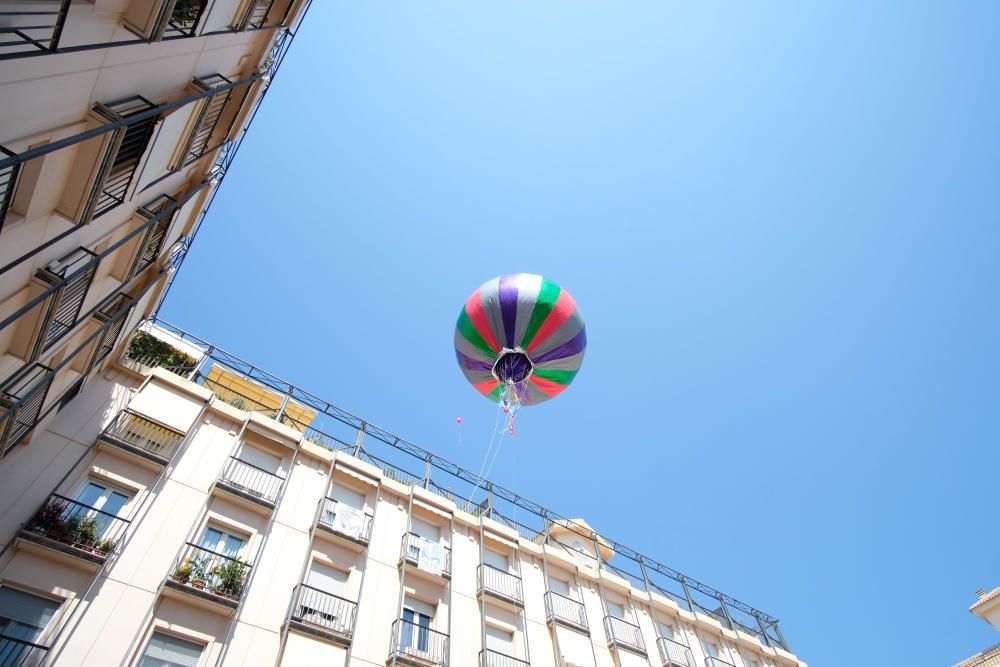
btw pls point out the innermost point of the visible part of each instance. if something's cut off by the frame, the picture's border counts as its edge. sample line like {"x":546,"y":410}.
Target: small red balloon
{"x":458,"y":420}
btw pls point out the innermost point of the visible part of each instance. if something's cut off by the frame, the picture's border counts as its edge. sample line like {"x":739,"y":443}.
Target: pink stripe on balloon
{"x":474,"y":309}
{"x":548,"y":387}
{"x":485,"y":388}
{"x":561,"y":311}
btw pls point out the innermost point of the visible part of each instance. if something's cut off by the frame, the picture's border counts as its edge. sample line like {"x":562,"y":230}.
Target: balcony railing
{"x":624,"y":634}
{"x":328,"y":612}
{"x":674,"y":654}
{"x":499,"y":583}
{"x":138,"y":434}
{"x":249,"y":480}
{"x":20,"y":653}
{"x":340,"y":518}
{"x":71,"y":277}
{"x":183,"y":21}
{"x":33,"y":28}
{"x":717,"y":662}
{"x":561,"y":608}
{"x":91,"y":533}
{"x":8,"y":182}
{"x":21,"y":401}
{"x":491,"y":658}
{"x":418,"y":645}
{"x":430,"y":556}
{"x":112,"y":190}
{"x":201,"y":570}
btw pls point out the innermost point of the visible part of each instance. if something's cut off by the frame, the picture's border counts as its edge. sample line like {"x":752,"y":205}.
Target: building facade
{"x":986,"y":607}
{"x":188,"y":508}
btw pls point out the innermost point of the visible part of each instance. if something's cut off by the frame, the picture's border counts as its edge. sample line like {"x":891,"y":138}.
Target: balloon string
{"x":489,"y":448}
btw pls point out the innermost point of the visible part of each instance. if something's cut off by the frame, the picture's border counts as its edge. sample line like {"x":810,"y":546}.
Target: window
{"x":499,"y":640}
{"x":22,"y":616}
{"x":495,"y":560}
{"x":712,"y":649}
{"x":616,"y":610}
{"x":326,"y":579}
{"x":102,"y":497}
{"x":260,"y":459}
{"x":168,"y":651}
{"x":316,"y":606}
{"x":425,"y":532}
{"x":417,"y":618}
{"x":221,"y":542}
{"x":559,"y":586}
{"x":666,"y":630}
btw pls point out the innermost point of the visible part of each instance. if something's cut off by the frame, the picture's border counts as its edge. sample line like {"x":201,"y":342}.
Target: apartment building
{"x":986,"y":607}
{"x":188,"y":508}
{"x":118,"y":121}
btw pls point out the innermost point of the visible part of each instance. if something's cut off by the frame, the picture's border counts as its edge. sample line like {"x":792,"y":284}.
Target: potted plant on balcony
{"x":84,"y":531}
{"x":105,"y":547}
{"x":49,"y":520}
{"x":228,"y":578}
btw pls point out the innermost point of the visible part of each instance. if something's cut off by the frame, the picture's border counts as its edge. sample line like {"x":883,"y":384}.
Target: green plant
{"x":186,"y":11}
{"x":49,"y":518}
{"x":228,"y":577}
{"x":85,"y":530}
{"x":145,"y":347}
{"x":236,"y":402}
{"x":106,"y":546}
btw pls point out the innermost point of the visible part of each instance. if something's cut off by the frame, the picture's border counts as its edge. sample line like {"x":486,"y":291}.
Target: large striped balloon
{"x":524,"y":331}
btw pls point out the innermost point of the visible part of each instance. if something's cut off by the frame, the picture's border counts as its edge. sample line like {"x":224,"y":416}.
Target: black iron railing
{"x":717,"y":662}
{"x":324,"y":610}
{"x":205,"y":570}
{"x":21,"y":401}
{"x":77,"y":525}
{"x":133,"y":431}
{"x":622,"y":632}
{"x":111,"y":190}
{"x":561,"y":608}
{"x":499,"y":582}
{"x":257,"y":16}
{"x":20,"y":652}
{"x":491,"y":658}
{"x":72,"y":276}
{"x":419,"y":643}
{"x":9,"y":176}
{"x":250,"y":479}
{"x":208,"y":117}
{"x":421,"y":551}
{"x":184,"y":19}
{"x":674,"y":654}
{"x":34,"y":30}
{"x":349,"y":521}
{"x":151,"y":242}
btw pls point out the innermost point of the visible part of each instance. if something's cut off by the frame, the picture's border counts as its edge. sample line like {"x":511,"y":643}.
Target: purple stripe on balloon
{"x":472,"y":364}
{"x":508,"y":307}
{"x":573,"y":346}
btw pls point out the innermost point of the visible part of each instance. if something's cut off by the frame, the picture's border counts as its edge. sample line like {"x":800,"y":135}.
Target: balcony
{"x":248,"y":481}
{"x":32,"y":27}
{"x":717,"y":662}
{"x":69,"y":279}
{"x":491,"y":658}
{"x":210,"y":575}
{"x":346,"y":521}
{"x":184,"y":18}
{"x":71,"y":527}
{"x":8,"y":182}
{"x":21,"y":401}
{"x":674,"y":654}
{"x":150,"y":241}
{"x":427,"y":556}
{"x":500,"y":584}
{"x":20,"y":653}
{"x":417,"y":645}
{"x":565,"y":611}
{"x":143,"y":437}
{"x":623,"y":634}
{"x":323,"y":614}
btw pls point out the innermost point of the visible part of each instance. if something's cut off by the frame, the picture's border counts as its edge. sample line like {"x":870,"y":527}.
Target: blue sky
{"x":780,"y":223}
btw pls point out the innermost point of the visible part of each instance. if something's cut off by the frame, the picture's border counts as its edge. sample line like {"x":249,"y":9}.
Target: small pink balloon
{"x":506,"y":409}
{"x":458,"y":420}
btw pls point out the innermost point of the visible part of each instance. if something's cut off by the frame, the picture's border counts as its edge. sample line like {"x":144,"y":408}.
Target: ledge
{"x":177,"y":382}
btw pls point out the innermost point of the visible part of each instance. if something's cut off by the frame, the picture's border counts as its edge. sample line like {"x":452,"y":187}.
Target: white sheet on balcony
{"x":431,"y":556}
{"x":348,"y":520}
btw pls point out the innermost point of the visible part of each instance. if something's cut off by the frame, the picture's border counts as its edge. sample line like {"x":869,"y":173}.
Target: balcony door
{"x":260,"y":459}
{"x":425,"y":532}
{"x":317,"y":604}
{"x":417,"y":617}
{"x":108,"y":501}
{"x":497,"y":561}
{"x":499,"y":640}
{"x":221,"y":542}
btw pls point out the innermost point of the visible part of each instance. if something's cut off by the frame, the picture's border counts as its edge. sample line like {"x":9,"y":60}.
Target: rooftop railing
{"x":207,"y":572}
{"x":427,"y":555}
{"x":133,"y":432}
{"x":561,"y":608}
{"x":499,"y":583}
{"x":674,"y":654}
{"x":90,"y":532}
{"x":33,"y":27}
{"x":491,"y":658}
{"x":328,"y":612}
{"x":248,"y":479}
{"x":340,"y":518}
{"x":20,"y":652}
{"x":623,"y":633}
{"x":418,"y":645}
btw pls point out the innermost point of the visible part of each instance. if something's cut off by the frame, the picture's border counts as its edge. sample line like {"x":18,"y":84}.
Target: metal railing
{"x":137,"y":432}
{"x":206,"y":570}
{"x":234,"y":398}
{"x":341,"y":518}
{"x":499,"y":582}
{"x":34,"y":31}
{"x":23,"y":396}
{"x":417,"y":548}
{"x":324,"y":610}
{"x":111,"y":190}
{"x":674,"y":654}
{"x":141,"y":363}
{"x":77,"y":525}
{"x":419,"y":643}
{"x":250,"y":479}
{"x":9,"y":176}
{"x":71,"y":277}
{"x":622,"y":632}
{"x":561,"y":608}
{"x":184,"y":18}
{"x":490,"y":658}
{"x":20,"y":652}
{"x":717,"y":662}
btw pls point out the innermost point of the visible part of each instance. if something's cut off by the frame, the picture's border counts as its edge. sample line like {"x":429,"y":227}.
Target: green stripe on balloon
{"x":547,"y":297}
{"x":495,"y":394}
{"x":470,"y":334}
{"x":560,"y":377}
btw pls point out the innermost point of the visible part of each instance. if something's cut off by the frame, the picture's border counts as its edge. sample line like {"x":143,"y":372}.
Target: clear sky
{"x":781,"y":222}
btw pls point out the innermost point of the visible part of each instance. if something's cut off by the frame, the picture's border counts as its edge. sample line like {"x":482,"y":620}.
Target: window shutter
{"x":26,"y":609}
{"x":165,"y":650}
